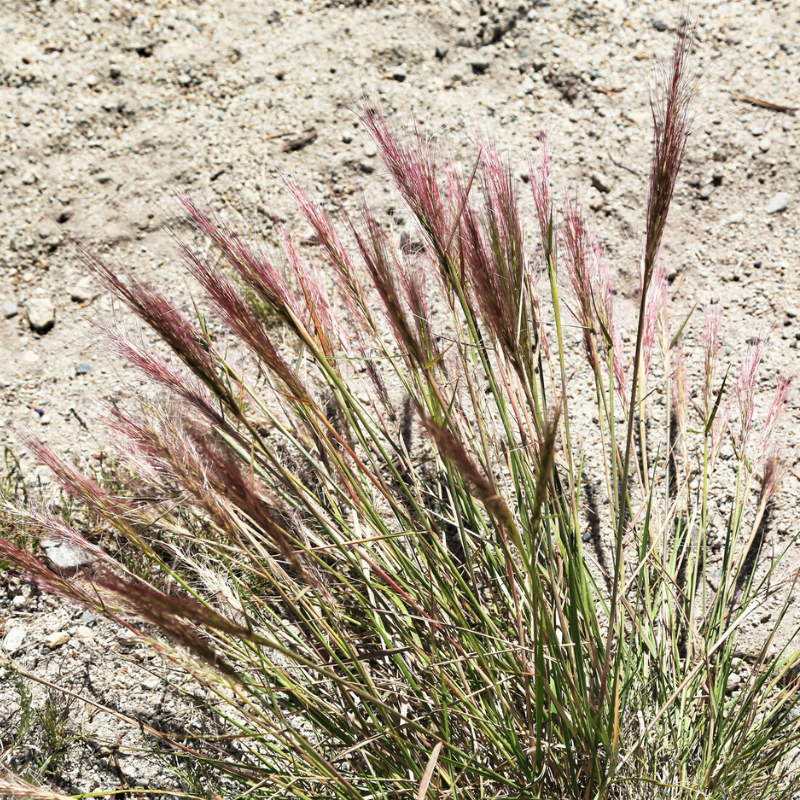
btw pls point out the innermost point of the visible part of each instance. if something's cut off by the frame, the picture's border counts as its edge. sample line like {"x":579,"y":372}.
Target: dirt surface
{"x":107,"y":105}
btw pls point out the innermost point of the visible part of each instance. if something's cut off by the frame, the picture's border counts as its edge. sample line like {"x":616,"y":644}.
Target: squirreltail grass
{"x":397,"y":557}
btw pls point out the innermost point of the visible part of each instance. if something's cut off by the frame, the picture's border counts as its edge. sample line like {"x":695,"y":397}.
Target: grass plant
{"x":395,"y":552}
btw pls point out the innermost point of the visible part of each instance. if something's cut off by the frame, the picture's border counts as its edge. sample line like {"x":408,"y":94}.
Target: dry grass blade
{"x":14,"y":788}
{"x":428,"y":774}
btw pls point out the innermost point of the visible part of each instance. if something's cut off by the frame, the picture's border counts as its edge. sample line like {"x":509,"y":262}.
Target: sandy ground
{"x":104,"y":106}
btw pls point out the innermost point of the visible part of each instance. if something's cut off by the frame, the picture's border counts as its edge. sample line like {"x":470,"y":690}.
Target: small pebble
{"x":82,"y":369}
{"x":88,"y":619}
{"x":756,"y":129}
{"x":82,"y":291}
{"x":734,"y":679}
{"x":9,"y":309}
{"x":370,"y":151}
{"x":41,"y":314}
{"x":83,"y":634}
{"x":184,"y":79}
{"x":596,"y":201}
{"x":660,"y":25}
{"x":706,"y":192}
{"x":601,"y":182}
{"x":400,"y":73}
{"x":787,"y":125}
{"x":441,"y":51}
{"x":479,"y":65}
{"x":65,"y":558}
{"x":764,"y":145}
{"x":143,"y":49}
{"x":780,"y":202}
{"x":347,"y":137}
{"x":55,"y":639}
{"x":13,"y":639}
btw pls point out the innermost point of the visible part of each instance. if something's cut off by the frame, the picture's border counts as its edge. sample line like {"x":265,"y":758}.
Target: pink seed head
{"x":710,"y":351}
{"x":746,"y":386}
{"x":774,"y":416}
{"x":540,"y":188}
{"x":654,"y":311}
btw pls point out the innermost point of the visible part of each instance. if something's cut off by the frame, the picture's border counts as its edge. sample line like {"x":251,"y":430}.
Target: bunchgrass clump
{"x":399,"y":561}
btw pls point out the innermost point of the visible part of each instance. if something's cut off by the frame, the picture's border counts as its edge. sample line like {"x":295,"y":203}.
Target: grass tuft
{"x":398,"y":561}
